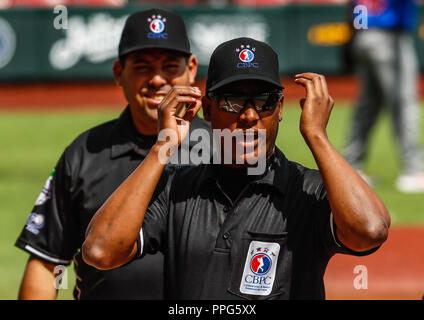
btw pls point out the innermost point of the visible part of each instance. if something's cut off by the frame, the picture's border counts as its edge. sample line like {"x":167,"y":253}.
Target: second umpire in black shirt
{"x":154,"y":56}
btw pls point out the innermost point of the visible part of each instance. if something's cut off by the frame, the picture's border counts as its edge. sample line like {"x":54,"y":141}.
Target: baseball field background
{"x":42,"y":109}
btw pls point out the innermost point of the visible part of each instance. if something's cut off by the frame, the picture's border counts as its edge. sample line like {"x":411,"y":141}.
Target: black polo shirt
{"x":88,"y":172}
{"x":272,"y":242}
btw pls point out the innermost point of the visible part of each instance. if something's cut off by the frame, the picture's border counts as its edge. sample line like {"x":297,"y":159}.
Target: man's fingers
{"x":307,"y":84}
{"x":181,"y":91}
{"x":318,"y":80}
{"x":184,"y":90}
{"x":303,"y":81}
{"x":179,"y":94}
{"x":307,"y":75}
{"x":324,"y":85}
{"x":170,"y":105}
{"x":192,"y":110}
{"x":318,"y":86}
{"x":302,"y":102}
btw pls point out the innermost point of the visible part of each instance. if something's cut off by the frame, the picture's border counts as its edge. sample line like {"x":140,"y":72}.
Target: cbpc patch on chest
{"x":259,"y":268}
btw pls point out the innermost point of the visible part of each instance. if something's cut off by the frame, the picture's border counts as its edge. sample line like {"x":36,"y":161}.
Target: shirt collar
{"x":277,"y":174}
{"x":125,"y":137}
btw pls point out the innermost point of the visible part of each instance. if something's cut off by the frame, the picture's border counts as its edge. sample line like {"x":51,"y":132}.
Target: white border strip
{"x":46,"y":257}
{"x":140,"y":250}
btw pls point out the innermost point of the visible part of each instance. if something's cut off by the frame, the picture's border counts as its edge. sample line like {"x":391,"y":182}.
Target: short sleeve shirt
{"x":273,"y":242}
{"x":87,"y":173}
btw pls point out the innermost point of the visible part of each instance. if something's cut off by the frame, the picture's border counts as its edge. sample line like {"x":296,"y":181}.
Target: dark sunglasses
{"x":262,"y":102}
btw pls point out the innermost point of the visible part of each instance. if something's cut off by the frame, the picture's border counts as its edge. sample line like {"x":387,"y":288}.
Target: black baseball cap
{"x":243,"y":59}
{"x":154,"y":28}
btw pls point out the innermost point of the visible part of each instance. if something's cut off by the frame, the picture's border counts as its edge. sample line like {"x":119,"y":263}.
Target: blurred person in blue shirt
{"x":387,"y":67}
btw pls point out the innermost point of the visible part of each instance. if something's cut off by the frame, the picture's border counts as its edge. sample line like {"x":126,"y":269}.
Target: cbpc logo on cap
{"x":246,"y":56}
{"x":157,"y":26}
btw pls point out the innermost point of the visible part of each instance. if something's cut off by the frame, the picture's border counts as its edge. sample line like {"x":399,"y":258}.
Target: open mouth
{"x":153,"y":100}
{"x":249,"y":142}
{"x":154,"y":96}
{"x":249,"y":139}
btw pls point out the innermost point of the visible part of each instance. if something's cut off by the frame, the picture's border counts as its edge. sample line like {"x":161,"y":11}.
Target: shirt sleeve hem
{"x":342,"y":247}
{"x":41,"y":254}
{"x":140,"y":244}
{"x":333,"y":231}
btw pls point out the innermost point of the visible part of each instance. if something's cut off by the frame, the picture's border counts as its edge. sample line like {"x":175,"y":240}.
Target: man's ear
{"x":117,"y":71}
{"x":192,"y":68}
{"x":206,"y":106}
{"x":280,"y":109}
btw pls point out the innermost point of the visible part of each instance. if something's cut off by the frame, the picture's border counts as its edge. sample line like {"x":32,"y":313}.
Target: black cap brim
{"x":240,"y":77}
{"x":156,"y":46}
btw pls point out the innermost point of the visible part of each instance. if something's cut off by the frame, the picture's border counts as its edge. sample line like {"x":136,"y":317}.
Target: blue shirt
{"x":390,"y":14}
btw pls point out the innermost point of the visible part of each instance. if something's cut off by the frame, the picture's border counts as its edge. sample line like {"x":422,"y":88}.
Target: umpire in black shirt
{"x":154,"y":56}
{"x":228,"y":234}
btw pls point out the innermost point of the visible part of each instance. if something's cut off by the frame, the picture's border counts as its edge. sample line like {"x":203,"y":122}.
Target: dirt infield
{"x":107,"y":94}
{"x":395,"y":271}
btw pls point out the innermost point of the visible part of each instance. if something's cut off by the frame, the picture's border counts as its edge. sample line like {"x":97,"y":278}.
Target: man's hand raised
{"x":316,"y":105}
{"x":168,"y":122}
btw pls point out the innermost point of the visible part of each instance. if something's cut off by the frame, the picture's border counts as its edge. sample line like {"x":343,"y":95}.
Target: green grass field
{"x":32,"y":142}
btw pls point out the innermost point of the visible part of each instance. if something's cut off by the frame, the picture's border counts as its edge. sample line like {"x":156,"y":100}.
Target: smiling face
{"x":248,"y":120}
{"x":146,"y":78}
